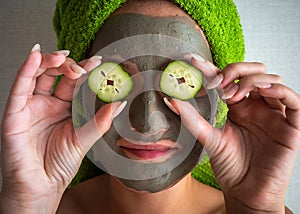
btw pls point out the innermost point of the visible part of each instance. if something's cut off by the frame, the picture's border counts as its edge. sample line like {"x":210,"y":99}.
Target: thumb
{"x":202,"y":130}
{"x":94,"y":129}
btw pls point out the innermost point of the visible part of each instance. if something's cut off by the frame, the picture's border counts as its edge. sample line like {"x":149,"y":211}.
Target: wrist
{"x":234,"y":206}
{"x":12,"y":202}
{"x":10,"y":206}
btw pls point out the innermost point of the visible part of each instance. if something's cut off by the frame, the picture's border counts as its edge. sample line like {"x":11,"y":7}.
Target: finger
{"x":71,"y":69}
{"x":46,"y":81}
{"x":247,"y":84}
{"x":91,"y":63}
{"x":65,"y":89}
{"x":48,"y":71}
{"x":224,"y":80}
{"x":288,"y":98}
{"x":55,"y":59}
{"x":52,"y":60}
{"x":275,"y":104}
{"x":44,"y":84}
{"x":205,"y":133}
{"x":237,"y":71}
{"x":22,"y":86}
{"x":93,"y":130}
{"x":208,"y":69}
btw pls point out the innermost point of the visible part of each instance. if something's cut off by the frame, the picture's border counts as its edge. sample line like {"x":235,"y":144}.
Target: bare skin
{"x":105,"y":194}
{"x":41,"y":155}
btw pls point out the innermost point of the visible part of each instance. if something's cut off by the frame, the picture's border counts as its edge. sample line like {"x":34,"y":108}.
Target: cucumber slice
{"x":181,"y":80}
{"x":110,"y":82}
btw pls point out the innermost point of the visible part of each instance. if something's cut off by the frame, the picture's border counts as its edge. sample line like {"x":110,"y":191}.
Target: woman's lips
{"x":144,"y":154}
{"x":159,"y":151}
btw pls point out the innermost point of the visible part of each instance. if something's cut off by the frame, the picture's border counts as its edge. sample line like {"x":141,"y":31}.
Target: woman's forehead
{"x":123,"y":26}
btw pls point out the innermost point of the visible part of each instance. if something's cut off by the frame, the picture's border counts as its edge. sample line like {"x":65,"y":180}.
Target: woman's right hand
{"x":40,"y":151}
{"x":254,"y":153}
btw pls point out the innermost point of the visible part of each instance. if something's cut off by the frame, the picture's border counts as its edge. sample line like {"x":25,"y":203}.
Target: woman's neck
{"x":180,"y":198}
{"x":107,"y":194}
{"x":132,"y":201}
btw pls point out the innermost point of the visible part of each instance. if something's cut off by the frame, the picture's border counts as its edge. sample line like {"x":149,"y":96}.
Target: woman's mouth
{"x":155,"y":151}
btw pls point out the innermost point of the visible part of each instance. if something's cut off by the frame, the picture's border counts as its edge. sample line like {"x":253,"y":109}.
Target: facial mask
{"x":147,"y":147}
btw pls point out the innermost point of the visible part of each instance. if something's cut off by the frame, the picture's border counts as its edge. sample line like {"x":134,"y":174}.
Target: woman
{"x":251,"y":159}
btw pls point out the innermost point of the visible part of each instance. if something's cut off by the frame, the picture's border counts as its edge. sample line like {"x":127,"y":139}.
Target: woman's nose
{"x":148,"y":113}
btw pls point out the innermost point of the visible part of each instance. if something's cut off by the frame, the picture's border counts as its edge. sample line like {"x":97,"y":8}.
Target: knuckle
{"x":233,"y":70}
{"x":233,"y":66}
{"x":261,"y":67}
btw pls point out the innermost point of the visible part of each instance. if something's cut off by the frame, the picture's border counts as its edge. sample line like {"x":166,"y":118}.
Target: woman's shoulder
{"x":209,"y":198}
{"x":91,"y":196}
{"x":84,"y":197}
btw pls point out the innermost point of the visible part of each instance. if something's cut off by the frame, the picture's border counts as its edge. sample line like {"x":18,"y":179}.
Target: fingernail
{"x":198,"y":58}
{"x":119,"y":109}
{"x":169,"y":104}
{"x":62,"y":52}
{"x":229,"y":94}
{"x":93,"y":61}
{"x":216,"y":81}
{"x":36,"y":47}
{"x":77,"y":69}
{"x":263,"y":85}
{"x":96,"y":57}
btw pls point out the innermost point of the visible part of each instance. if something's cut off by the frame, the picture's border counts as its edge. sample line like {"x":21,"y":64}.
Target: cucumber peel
{"x":110,"y":82}
{"x":181,"y":80}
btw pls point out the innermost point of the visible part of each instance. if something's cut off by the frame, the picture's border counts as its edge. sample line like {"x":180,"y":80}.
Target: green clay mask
{"x":126,"y":25}
{"x":147,"y":147}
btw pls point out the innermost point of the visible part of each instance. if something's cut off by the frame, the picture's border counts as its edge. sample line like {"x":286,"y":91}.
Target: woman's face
{"x":151,"y":150}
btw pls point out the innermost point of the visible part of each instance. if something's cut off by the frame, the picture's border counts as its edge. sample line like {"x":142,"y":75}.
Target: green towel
{"x":77,"y":22}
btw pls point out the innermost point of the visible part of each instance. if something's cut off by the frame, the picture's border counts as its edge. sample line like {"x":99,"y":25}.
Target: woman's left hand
{"x":253,"y":155}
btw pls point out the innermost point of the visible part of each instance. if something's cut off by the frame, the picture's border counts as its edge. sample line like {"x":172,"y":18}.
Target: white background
{"x":271,"y":29}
